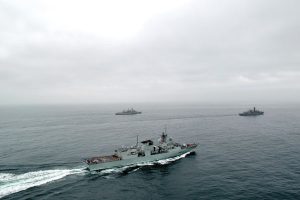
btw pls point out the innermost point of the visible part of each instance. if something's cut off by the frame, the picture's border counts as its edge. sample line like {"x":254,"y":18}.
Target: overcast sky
{"x":60,"y":51}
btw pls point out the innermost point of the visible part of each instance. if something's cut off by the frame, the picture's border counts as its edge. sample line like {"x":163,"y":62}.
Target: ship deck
{"x":103,"y":159}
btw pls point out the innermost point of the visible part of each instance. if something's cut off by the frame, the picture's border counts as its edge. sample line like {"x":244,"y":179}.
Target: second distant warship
{"x":250,"y":112}
{"x":129,"y":112}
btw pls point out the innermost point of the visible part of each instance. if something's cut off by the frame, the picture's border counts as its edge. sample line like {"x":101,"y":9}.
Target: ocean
{"x":42,"y":149}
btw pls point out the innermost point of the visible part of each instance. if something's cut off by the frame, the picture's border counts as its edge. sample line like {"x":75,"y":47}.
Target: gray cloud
{"x":201,"y":51}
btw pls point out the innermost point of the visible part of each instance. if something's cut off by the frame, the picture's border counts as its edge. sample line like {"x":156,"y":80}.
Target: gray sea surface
{"x":42,"y":148}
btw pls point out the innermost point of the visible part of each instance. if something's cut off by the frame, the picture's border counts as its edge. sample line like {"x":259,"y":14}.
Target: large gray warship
{"x":145,"y":151}
{"x":250,"y":112}
{"x":129,"y":112}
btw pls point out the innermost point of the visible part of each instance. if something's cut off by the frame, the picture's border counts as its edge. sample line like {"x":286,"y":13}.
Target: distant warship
{"x":129,"y":112}
{"x":145,"y":151}
{"x":250,"y":112}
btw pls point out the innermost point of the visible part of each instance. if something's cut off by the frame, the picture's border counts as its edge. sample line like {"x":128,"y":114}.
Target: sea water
{"x":42,"y":149}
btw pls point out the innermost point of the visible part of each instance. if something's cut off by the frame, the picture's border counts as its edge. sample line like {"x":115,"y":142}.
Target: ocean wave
{"x":12,"y":183}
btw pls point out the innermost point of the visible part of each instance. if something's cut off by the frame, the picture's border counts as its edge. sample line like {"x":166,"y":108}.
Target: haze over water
{"x":238,"y":157}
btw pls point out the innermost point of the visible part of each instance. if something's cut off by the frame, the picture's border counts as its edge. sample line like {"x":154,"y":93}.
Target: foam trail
{"x":12,"y":183}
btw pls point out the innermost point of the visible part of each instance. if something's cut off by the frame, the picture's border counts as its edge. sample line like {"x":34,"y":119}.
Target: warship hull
{"x":251,"y":114}
{"x":132,"y":113}
{"x":136,"y":160}
{"x":128,"y":112}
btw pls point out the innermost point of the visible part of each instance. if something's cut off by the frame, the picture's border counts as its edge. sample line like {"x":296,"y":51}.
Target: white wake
{"x":12,"y":183}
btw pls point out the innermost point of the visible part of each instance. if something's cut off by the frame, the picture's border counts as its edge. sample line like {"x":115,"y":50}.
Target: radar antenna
{"x":166,"y":129}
